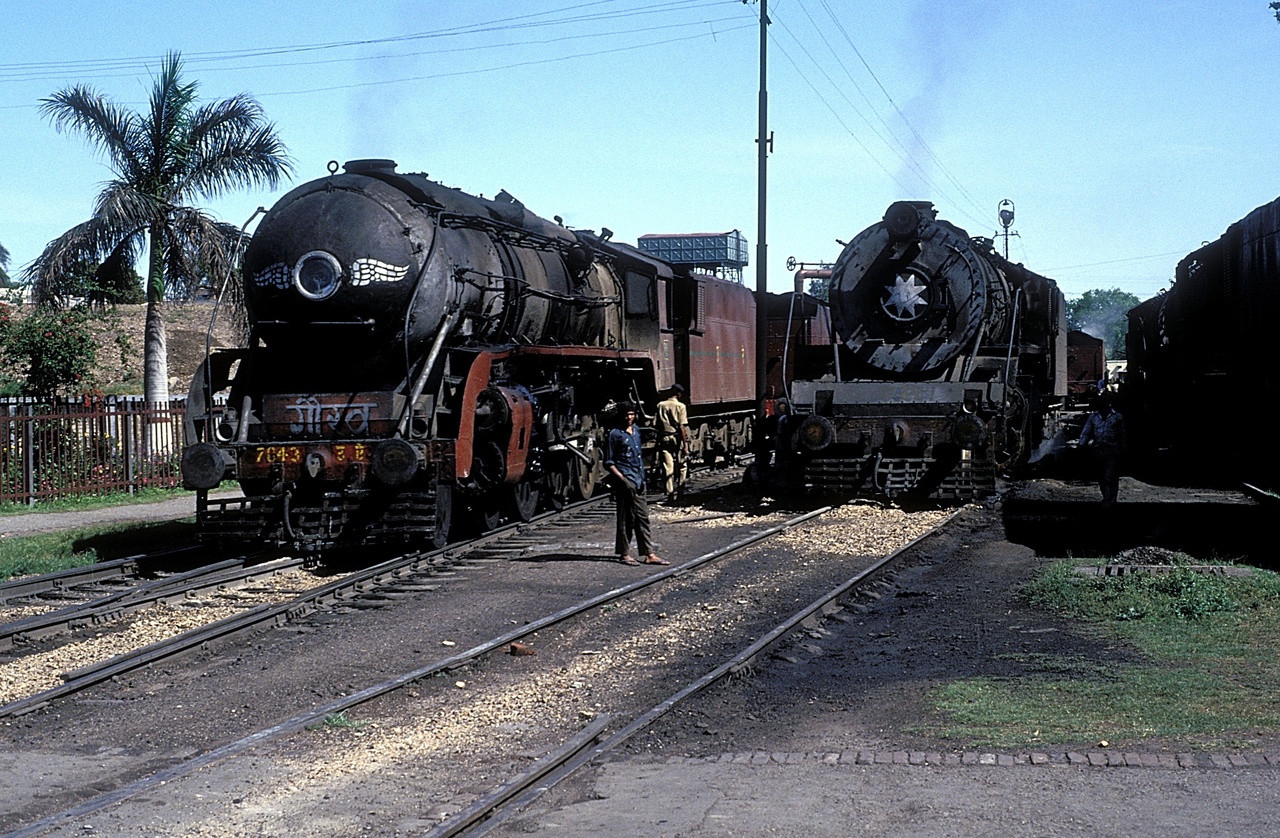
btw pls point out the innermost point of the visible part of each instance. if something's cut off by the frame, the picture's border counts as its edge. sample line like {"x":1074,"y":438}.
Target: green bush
{"x":53,"y":350}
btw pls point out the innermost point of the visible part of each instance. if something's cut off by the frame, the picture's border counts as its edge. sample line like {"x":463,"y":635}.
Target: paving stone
{"x":1004,"y":759}
{"x":1039,"y":759}
{"x":1077,"y":759}
{"x":1096,"y":758}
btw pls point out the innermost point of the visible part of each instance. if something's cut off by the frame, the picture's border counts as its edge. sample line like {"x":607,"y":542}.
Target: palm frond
{"x":232,"y":148}
{"x":109,"y":127}
{"x":88,"y":243}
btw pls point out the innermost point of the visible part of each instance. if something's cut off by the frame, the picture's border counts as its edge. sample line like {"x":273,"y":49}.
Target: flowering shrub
{"x":53,"y":350}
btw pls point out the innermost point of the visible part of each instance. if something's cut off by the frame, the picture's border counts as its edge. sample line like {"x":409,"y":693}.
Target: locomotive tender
{"x":418,"y":355}
{"x":949,"y":365}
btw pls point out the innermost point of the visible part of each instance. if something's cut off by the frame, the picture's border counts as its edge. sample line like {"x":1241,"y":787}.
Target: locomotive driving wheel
{"x":586,"y":476}
{"x":1009,"y":445}
{"x":558,"y":482}
{"x":522,"y":500}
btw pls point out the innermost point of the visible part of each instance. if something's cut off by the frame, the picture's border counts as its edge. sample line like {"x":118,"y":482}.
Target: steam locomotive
{"x":949,"y":366}
{"x":1202,"y":349}
{"x":420,"y":357}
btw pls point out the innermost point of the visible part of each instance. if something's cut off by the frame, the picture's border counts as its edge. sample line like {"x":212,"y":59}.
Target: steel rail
{"x":62,"y":580}
{"x":149,"y":594}
{"x":277,"y":614}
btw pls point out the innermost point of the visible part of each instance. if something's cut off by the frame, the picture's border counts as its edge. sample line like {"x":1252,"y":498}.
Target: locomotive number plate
{"x":294,"y":454}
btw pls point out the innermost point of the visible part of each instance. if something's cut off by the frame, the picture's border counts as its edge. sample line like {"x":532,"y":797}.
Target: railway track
{"x":607,"y":734}
{"x":695,"y":572}
{"x":87,"y":581}
{"x":397,"y":577}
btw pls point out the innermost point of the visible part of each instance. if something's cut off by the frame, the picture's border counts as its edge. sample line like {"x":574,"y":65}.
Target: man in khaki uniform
{"x":673,"y":442}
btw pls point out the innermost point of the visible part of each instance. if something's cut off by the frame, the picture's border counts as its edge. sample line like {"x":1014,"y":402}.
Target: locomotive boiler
{"x":419,"y":356}
{"x":949,"y":365}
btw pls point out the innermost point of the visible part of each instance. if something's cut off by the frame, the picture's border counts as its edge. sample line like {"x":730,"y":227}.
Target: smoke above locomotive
{"x":419,"y":356}
{"x":950,"y":364}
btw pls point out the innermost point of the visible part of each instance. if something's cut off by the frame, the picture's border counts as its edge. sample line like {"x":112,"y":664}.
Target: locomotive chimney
{"x":373,"y":164}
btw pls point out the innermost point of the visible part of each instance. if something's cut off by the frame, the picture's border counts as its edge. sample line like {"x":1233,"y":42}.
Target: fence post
{"x":125,"y":412}
{"x":29,"y":454}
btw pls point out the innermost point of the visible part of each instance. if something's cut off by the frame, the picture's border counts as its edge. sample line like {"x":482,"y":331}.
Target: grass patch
{"x":339,"y":721}
{"x":1201,"y":668}
{"x":84,"y":502}
{"x":49,"y":552}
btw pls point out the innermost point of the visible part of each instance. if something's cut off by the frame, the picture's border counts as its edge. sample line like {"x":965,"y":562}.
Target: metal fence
{"x":70,"y":448}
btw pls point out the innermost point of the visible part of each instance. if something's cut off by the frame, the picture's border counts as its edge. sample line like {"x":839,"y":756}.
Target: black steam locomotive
{"x":949,"y":365}
{"x":419,"y":356}
{"x":1201,"y":370}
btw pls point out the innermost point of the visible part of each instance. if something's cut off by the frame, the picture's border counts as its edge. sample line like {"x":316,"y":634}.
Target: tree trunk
{"x":155,"y":376}
{"x":155,"y":357}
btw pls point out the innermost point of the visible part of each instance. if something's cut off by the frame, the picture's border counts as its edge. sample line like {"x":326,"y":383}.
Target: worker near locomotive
{"x":949,"y":367}
{"x":673,"y":443}
{"x":1104,"y":434}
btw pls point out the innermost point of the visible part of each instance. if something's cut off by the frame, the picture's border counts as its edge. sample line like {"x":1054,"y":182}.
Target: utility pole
{"x":764,"y":143}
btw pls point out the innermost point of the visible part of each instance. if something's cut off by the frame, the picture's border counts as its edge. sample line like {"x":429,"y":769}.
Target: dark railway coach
{"x":419,"y":356}
{"x":1201,"y":368}
{"x":950,"y":365}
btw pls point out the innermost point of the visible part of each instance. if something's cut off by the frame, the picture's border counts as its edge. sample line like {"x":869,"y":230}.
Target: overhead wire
{"x":826,"y":5}
{"x":36,"y":71}
{"x":900,"y":152}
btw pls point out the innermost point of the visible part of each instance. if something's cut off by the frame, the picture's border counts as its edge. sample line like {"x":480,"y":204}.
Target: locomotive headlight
{"x":317,"y":275}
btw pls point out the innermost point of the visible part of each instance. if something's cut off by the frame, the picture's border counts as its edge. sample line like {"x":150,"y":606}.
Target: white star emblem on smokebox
{"x":906,"y":295}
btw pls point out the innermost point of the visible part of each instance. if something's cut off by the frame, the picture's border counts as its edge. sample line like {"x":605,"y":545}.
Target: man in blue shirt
{"x":1104,"y":431}
{"x":625,"y":463}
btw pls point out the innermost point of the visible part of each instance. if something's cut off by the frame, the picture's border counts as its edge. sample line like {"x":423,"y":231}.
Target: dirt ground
{"x":118,"y":334}
{"x":826,"y":738}
{"x":954,"y":612}
{"x":768,"y":754}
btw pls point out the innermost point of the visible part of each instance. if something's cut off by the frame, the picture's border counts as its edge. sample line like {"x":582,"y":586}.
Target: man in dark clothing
{"x":1104,"y":432}
{"x":624,"y":461}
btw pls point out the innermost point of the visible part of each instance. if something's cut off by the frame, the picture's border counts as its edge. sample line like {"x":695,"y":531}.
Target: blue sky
{"x":1126,"y":133}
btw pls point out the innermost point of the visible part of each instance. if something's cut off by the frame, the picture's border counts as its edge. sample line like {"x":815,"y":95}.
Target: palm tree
{"x":162,"y":159}
{"x":4,"y":263}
